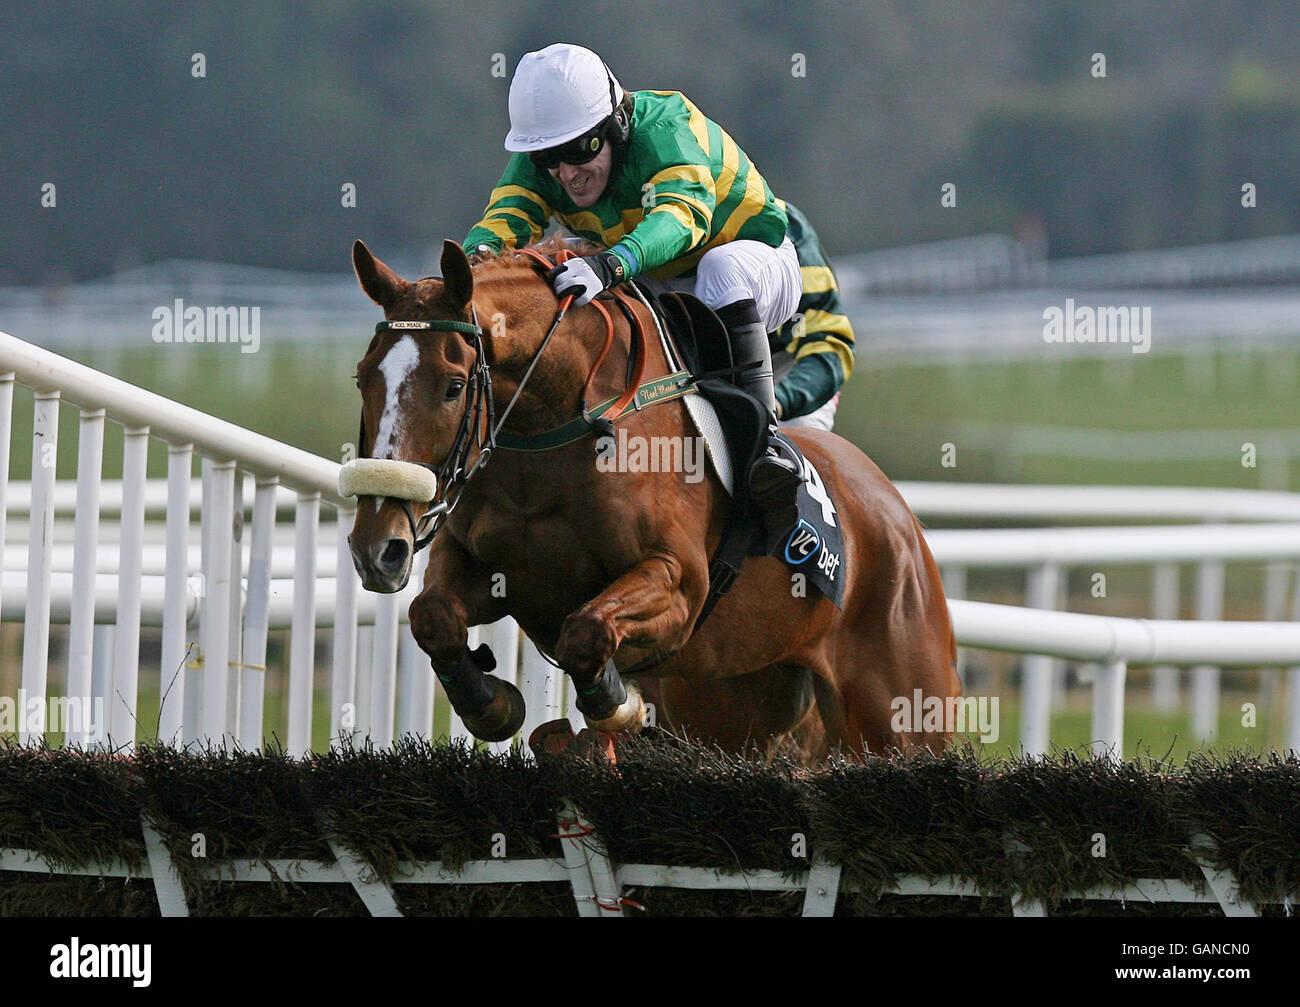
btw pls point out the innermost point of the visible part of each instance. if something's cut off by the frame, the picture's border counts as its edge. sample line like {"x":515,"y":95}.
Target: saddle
{"x":813,"y":545}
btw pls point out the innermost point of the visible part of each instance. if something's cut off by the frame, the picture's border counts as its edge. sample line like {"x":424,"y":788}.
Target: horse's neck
{"x":552,"y":390}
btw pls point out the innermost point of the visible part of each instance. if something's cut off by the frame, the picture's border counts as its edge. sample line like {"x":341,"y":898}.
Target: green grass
{"x":903,"y":414}
{"x":1147,"y":732}
{"x":275,"y":723}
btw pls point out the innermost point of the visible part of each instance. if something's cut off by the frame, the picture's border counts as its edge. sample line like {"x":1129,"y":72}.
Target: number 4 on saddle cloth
{"x":815,"y":545}
{"x":812,"y":544}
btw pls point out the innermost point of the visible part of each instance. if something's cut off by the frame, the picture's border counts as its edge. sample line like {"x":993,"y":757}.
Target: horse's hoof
{"x":502,"y":718}
{"x":551,"y":738}
{"x":595,"y":746}
{"x":628,"y":717}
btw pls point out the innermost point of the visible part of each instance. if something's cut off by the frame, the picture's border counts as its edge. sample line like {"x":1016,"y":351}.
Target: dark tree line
{"x":859,"y":112}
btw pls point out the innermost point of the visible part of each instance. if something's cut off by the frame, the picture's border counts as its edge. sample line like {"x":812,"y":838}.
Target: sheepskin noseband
{"x":384,"y":477}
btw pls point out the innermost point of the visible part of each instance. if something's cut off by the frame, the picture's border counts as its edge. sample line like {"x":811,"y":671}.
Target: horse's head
{"x":418,"y":397}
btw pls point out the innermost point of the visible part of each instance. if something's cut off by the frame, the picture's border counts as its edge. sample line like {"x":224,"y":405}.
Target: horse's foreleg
{"x":647,"y":605}
{"x":456,"y":595}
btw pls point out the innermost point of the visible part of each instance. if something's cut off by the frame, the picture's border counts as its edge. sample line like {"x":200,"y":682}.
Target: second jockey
{"x":812,"y":354}
{"x":672,"y":200}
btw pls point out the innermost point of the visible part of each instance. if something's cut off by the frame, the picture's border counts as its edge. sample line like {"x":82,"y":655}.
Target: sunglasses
{"x":577,"y":151}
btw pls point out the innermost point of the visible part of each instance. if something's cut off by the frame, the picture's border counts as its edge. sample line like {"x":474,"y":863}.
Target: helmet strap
{"x":619,"y":128}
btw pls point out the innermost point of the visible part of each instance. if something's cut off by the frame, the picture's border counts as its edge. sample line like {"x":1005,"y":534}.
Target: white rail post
{"x":215,"y":632}
{"x":1205,"y":678}
{"x":361,"y":693}
{"x":1108,"y":709}
{"x":81,"y":631}
{"x":123,"y":701}
{"x":1164,"y":605}
{"x":1293,"y":686}
{"x":40,"y":549}
{"x":504,"y":636}
{"x":252,"y":673}
{"x":302,"y":639}
{"x":6,"y":433}
{"x":343,"y":688}
{"x":415,"y":687}
{"x":954,"y":586}
{"x":1036,"y":670}
{"x":192,"y":729}
{"x":101,"y":679}
{"x":1277,"y":576}
{"x":235,"y":625}
{"x":540,"y":689}
{"x":176,"y":589}
{"x":1060,"y":679}
{"x":415,"y":675}
{"x":383,"y":695}
{"x":503,"y":642}
{"x":569,"y":704}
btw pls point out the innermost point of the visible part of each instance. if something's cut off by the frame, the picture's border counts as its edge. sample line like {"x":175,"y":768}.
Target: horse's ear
{"x":379,"y":282}
{"x":457,"y":277}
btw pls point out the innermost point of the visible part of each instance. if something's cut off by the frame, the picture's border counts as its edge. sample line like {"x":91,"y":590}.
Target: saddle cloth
{"x":733,"y":427}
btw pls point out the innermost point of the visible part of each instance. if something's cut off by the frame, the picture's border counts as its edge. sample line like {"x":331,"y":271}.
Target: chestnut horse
{"x":600,"y":567}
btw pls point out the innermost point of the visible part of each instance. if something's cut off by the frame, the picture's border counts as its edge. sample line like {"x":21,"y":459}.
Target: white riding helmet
{"x":557,"y":94}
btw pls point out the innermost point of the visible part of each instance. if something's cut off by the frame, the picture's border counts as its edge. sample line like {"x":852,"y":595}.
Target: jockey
{"x":812,"y":354}
{"x":671,"y":198}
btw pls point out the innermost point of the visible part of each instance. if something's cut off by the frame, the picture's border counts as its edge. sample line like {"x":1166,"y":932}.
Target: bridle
{"x":452,"y":474}
{"x":478,"y":424}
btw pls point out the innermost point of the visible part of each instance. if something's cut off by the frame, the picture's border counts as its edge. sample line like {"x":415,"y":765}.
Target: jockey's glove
{"x":587,"y":276}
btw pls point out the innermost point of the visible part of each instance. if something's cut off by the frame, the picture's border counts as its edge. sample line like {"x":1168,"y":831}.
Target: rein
{"x":452,"y":475}
{"x":639,"y":350}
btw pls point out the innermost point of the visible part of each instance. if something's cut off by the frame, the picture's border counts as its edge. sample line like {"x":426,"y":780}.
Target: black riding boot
{"x":774,"y":477}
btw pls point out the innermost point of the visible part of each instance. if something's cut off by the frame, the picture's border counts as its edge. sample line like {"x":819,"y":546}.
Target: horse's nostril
{"x":394,"y":554}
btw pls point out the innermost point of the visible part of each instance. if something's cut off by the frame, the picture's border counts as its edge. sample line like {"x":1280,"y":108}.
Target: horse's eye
{"x":454,"y":389}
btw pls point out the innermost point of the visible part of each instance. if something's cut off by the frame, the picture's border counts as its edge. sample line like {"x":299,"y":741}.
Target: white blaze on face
{"x":398,"y":364}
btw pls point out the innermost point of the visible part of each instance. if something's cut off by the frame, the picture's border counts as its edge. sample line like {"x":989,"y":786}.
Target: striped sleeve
{"x":820,"y":336}
{"x":516,"y":213}
{"x":809,"y":385}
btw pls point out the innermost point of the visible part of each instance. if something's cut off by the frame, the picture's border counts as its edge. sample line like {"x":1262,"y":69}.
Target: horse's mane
{"x":549,"y":246}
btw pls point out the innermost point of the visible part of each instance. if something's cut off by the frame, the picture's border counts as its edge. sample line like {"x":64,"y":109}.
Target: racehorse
{"x":604,"y":571}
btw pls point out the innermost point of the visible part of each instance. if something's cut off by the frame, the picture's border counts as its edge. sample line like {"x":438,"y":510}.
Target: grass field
{"x":1146,"y":732}
{"x":903,"y":414}
{"x":1165,"y":736}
